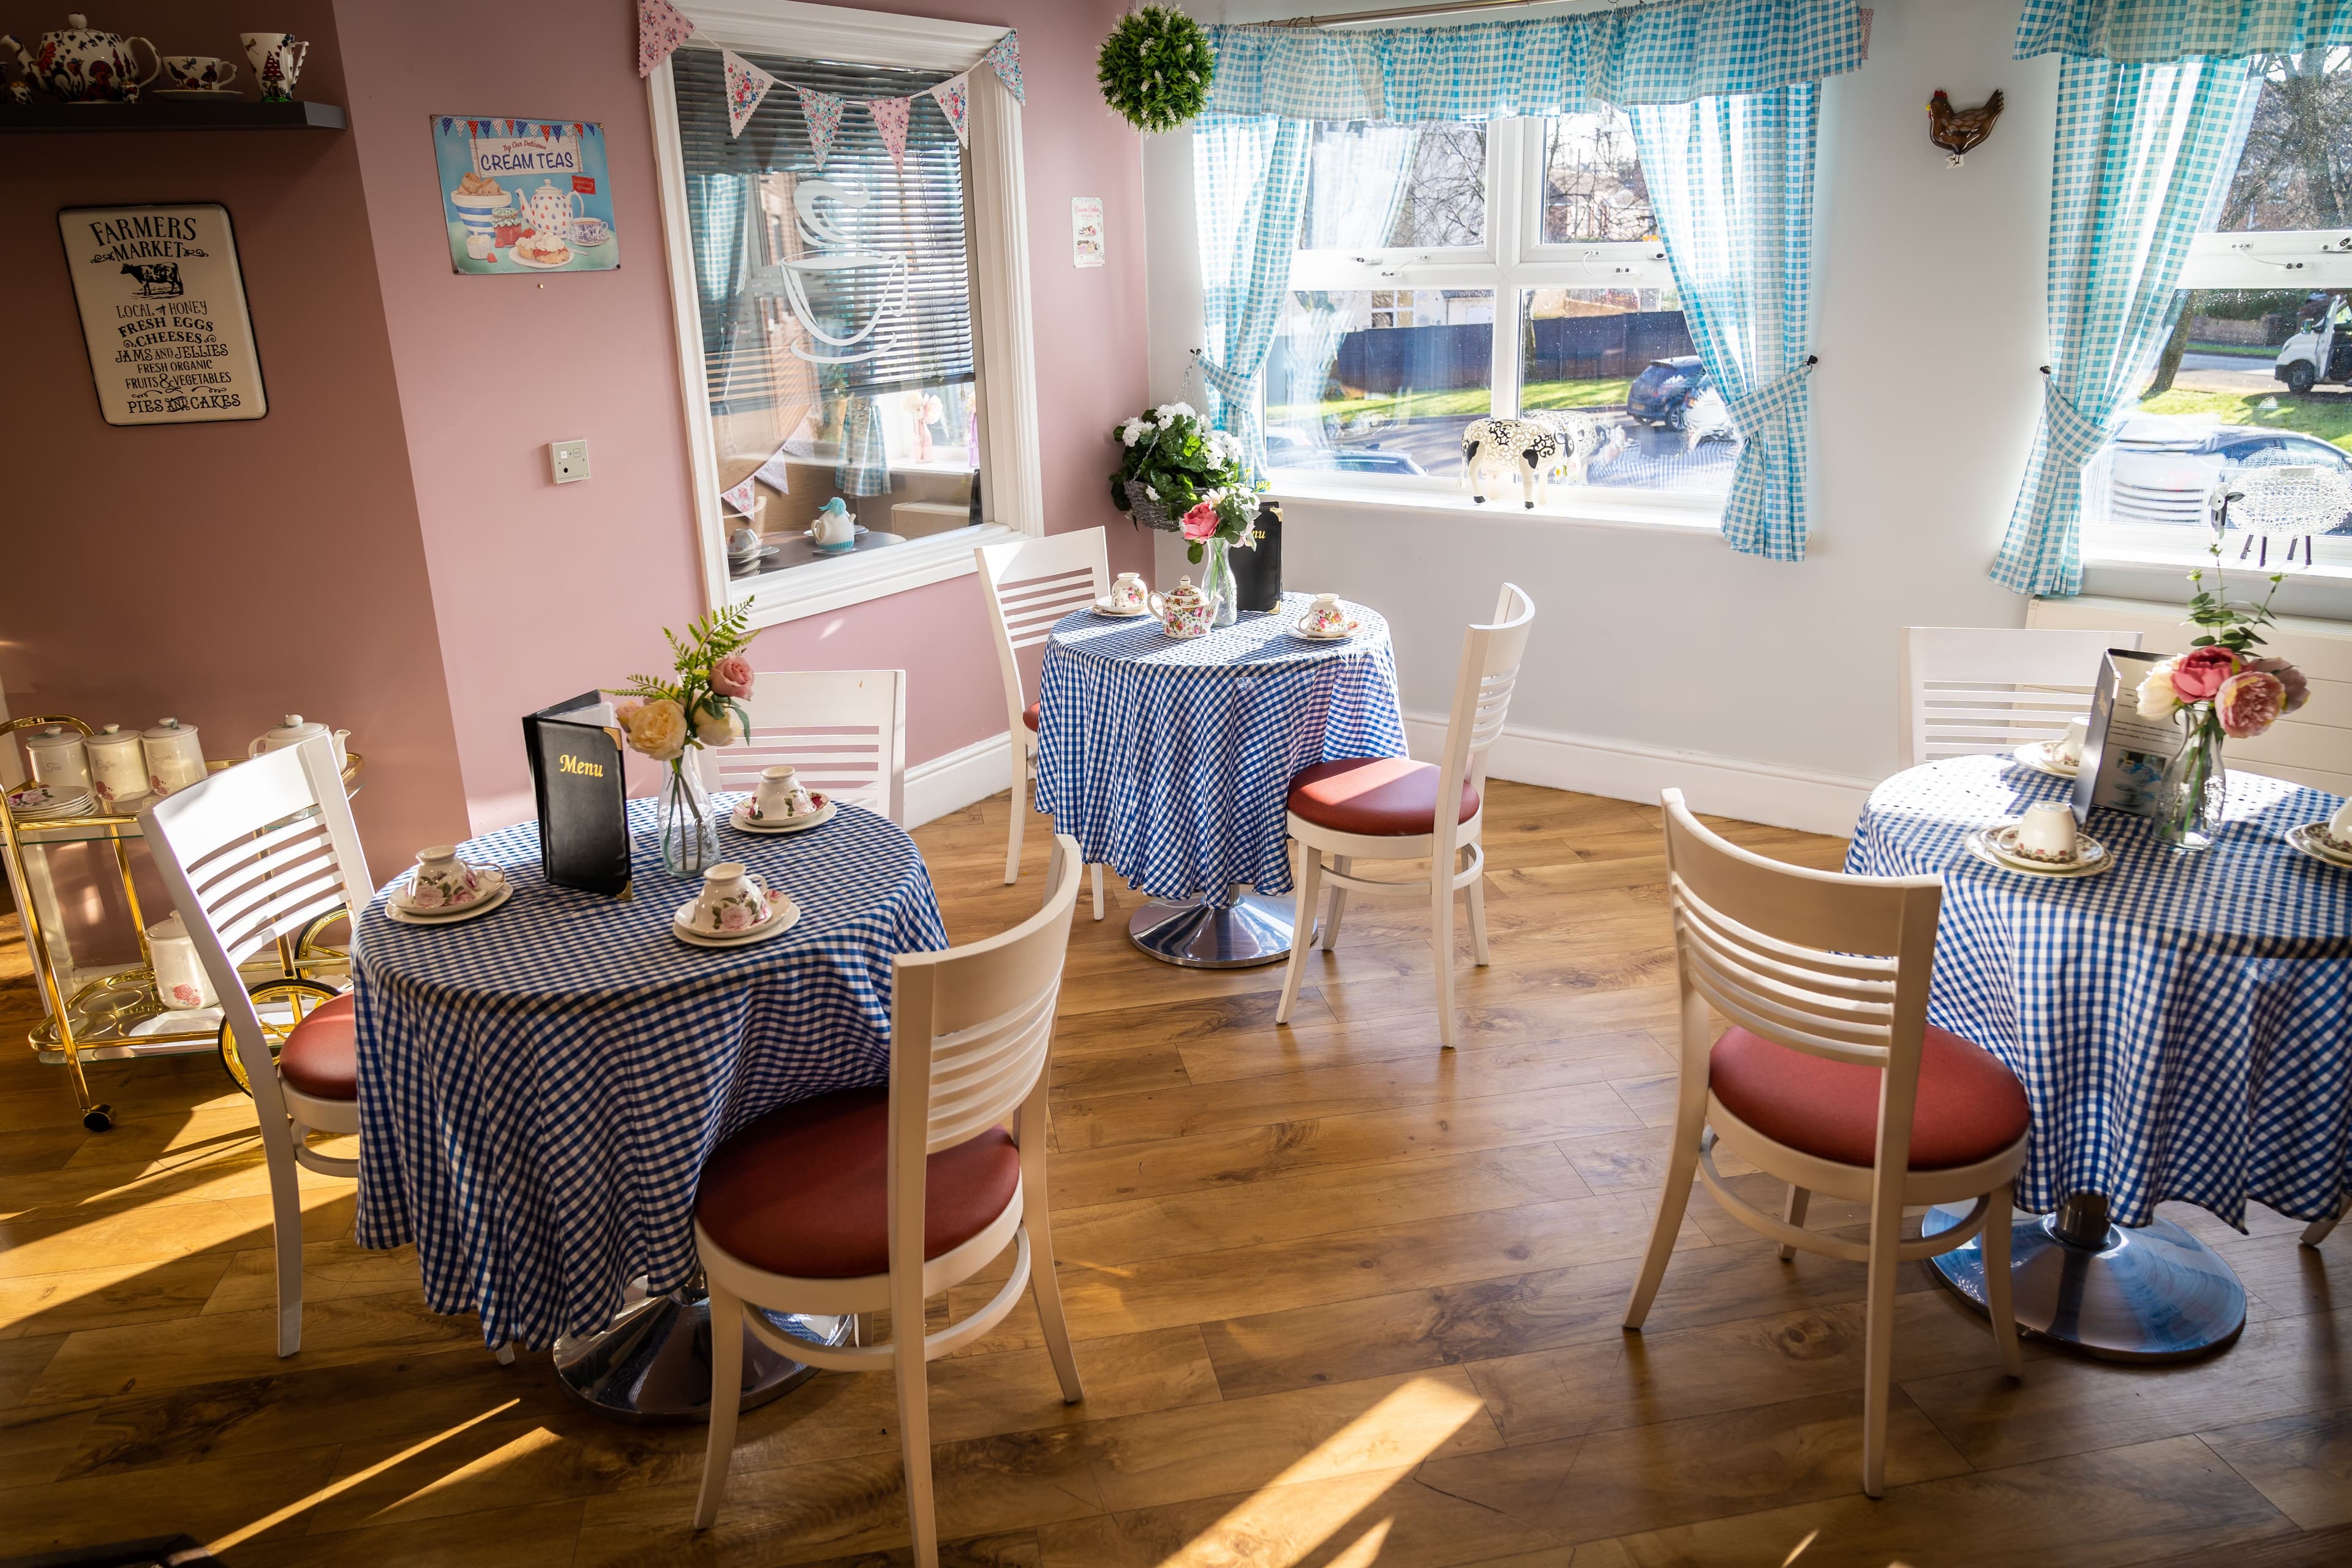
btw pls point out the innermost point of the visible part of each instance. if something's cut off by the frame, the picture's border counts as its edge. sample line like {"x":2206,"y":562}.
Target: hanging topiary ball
{"x":1155,"y":69}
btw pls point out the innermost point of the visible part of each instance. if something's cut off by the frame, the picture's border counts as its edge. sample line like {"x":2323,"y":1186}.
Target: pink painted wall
{"x":222,"y":572}
{"x":543,"y":590}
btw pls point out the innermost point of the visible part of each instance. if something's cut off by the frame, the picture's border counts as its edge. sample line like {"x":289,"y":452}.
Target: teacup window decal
{"x":875,"y":276}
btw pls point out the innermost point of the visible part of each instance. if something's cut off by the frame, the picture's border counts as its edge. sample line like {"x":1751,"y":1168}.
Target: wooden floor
{"x":1342,"y":1300}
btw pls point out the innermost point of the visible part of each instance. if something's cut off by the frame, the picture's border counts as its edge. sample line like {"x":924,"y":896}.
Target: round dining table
{"x":539,"y":1086}
{"x":1169,"y":760}
{"x":2182,"y":1025}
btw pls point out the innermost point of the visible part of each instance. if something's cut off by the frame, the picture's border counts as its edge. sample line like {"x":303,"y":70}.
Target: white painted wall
{"x":1659,"y":656}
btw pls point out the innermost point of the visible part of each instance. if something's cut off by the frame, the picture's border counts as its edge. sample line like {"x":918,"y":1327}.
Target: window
{"x":2258,"y":369}
{"x":1417,"y":242}
{"x":834,"y":322}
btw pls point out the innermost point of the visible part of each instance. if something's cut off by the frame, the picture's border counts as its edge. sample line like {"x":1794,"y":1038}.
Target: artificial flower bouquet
{"x":701,"y":708}
{"x":1169,"y":460}
{"x":2221,"y":682}
{"x":1228,"y":515}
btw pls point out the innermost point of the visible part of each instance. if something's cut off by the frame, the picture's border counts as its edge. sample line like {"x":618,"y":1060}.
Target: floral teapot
{"x":82,"y":64}
{"x":551,"y":210}
{"x":1185,"y":611}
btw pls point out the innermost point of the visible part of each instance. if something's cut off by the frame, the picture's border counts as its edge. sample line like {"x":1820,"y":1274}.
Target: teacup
{"x":733,"y":899}
{"x":199,"y":73}
{"x":2069,"y":746}
{"x":1129,"y":592}
{"x":781,"y":796}
{"x":744,"y":541}
{"x":276,"y":61}
{"x":442,"y":881}
{"x":2046,"y":833}
{"x":1324,"y":615}
{"x":2339,"y":831}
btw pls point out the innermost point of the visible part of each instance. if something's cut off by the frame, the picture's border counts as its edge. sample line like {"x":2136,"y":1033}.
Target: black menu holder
{"x":583,"y":810}
{"x":1257,"y":572}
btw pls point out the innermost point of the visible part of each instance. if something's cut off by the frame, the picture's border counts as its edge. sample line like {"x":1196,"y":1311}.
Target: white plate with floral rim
{"x":1337,"y":634}
{"x":2314,"y":839}
{"x":742,"y":820}
{"x":488,"y":880}
{"x":458,"y":916}
{"x":1104,"y":607}
{"x":2042,"y":757}
{"x":1997,"y":845}
{"x":783,"y":914}
{"x":37,"y":801}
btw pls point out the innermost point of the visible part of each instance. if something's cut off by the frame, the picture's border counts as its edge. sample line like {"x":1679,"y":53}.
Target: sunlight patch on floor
{"x":336,"y":1488}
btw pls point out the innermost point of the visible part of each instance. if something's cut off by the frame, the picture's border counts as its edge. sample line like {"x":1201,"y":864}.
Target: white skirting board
{"x":953,"y":781}
{"x":1623,"y":770}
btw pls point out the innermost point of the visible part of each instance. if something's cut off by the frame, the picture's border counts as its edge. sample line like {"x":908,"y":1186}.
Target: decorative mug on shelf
{"x":82,"y":64}
{"x":199,"y":73}
{"x":176,"y":757}
{"x":276,"y":61}
{"x":1129,"y":592}
{"x":1185,"y":611}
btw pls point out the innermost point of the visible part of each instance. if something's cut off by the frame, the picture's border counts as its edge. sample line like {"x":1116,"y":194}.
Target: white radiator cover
{"x":2312,"y":747}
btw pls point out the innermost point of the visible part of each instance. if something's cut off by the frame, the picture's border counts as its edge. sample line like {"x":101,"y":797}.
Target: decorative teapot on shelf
{"x":835,"y":525}
{"x":1185,"y":611}
{"x":82,"y":64}
{"x":293,"y":732}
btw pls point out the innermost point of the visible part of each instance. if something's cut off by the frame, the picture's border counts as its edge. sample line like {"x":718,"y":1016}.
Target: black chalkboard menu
{"x":575,"y":778}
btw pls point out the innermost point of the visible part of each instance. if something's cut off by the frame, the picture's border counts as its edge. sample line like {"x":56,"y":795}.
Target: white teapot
{"x":293,"y":732}
{"x":552,"y":210}
{"x":835,"y":524}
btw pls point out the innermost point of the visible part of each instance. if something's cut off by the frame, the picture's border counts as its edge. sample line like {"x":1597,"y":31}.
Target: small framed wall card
{"x":525,"y":195}
{"x":162,"y":307}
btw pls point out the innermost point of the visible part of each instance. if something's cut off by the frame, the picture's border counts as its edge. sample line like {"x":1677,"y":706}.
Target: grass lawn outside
{"x":1457,"y":403}
{"x":2327,"y":416}
{"x":2235,"y":350}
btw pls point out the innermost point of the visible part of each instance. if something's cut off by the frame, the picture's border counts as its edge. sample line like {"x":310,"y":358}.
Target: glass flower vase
{"x":2195,"y":785}
{"x":690,"y":833}
{"x":1217,"y":581}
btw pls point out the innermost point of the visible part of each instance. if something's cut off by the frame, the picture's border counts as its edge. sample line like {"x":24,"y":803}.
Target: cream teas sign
{"x":525,"y":195}
{"x":163,"y":308}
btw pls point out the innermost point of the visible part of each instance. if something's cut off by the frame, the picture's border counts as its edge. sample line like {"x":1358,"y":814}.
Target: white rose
{"x":717,"y":728}
{"x":2157,"y":700}
{"x":657,"y":729}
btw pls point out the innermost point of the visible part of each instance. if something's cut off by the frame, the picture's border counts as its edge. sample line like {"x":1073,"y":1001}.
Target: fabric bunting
{"x":1006,"y":56}
{"x":741,"y":497}
{"x":747,"y":84}
{"x":954,"y":97}
{"x":660,"y":30}
{"x":890,"y":118}
{"x":822,"y":111}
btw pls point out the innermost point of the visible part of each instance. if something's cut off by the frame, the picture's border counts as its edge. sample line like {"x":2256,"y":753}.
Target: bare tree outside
{"x":1445,"y":189}
{"x":1594,"y":189}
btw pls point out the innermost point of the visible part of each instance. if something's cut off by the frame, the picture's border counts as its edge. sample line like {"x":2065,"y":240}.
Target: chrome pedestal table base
{"x":2153,"y":1292}
{"x":1255,"y":930}
{"x":653,"y":1363}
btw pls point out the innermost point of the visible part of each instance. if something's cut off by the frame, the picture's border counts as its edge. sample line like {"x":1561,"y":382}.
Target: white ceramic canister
{"x":176,"y":758}
{"x":180,"y":979}
{"x":118,"y":764}
{"x":58,"y":760}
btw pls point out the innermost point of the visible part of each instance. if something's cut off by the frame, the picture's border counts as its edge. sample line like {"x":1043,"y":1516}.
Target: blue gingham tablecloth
{"x":2182,"y":1024}
{"x":539,"y":1088}
{"x":1170,"y":760}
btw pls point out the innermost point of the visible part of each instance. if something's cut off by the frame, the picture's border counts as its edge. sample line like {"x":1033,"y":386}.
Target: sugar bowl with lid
{"x":176,"y":757}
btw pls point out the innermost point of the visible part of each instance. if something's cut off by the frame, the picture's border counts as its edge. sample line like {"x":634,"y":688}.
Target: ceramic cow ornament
{"x":1497,"y":447}
{"x":1584,"y":439}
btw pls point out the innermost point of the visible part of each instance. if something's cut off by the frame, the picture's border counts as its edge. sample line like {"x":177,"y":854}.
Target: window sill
{"x":818,"y":586}
{"x":1585,"y":506}
{"x":2156,"y":574}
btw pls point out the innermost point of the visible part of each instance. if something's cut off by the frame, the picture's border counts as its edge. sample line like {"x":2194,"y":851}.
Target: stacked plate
{"x":2314,"y":840}
{"x":2044,"y":757}
{"x":402,"y":907}
{"x":1997,"y":845}
{"x":783,"y":915}
{"x":39,"y":803}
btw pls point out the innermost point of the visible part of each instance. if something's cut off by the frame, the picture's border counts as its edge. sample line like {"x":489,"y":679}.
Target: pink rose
{"x":732,"y":675}
{"x":2198,"y":673}
{"x":1201,"y":522}
{"x":2249,"y":703}
{"x":2298,"y":689}
{"x":735,"y":917}
{"x":426,"y":896}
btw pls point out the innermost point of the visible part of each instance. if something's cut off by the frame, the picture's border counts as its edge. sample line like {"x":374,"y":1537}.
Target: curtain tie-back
{"x":1776,"y":399}
{"x":1227,"y":383}
{"x":2075,"y":436}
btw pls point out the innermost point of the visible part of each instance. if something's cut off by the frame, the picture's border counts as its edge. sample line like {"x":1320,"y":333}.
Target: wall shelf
{"x":172,"y":114}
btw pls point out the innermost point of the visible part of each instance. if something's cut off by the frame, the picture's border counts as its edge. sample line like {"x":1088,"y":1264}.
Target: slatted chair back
{"x":1831,"y":965}
{"x":252,"y":854}
{"x":1972,"y":690}
{"x":1491,"y":656}
{"x":1030,"y":584}
{"x":843,"y":730}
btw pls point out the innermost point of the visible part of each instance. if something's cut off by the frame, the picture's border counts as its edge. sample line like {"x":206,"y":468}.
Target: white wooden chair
{"x":250,"y":855}
{"x":2318,"y":1230}
{"x":843,"y":730}
{"x":1831,"y":1078}
{"x":1968,"y":690}
{"x":873,"y":1199}
{"x":1028,"y":585}
{"x":1386,"y":808}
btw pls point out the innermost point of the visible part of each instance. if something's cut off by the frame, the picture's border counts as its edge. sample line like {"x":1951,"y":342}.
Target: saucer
{"x":783,"y":914}
{"x":1106,"y":608}
{"x":2310,"y":840}
{"x":458,"y":916}
{"x":1342,"y":635}
{"x":2042,"y":757}
{"x":740,"y":819}
{"x":494,"y":878}
{"x":520,"y":260}
{"x":37,"y":802}
{"x":1987,"y":845}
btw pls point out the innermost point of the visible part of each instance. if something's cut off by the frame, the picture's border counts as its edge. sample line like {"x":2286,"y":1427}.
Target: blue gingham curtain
{"x":2144,"y":152}
{"x":1249,"y":183}
{"x":1731,"y":179}
{"x":2158,"y":32}
{"x":865,"y":466}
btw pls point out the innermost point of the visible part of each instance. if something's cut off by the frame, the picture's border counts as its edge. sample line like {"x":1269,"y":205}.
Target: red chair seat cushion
{"x":1970,"y":1106}
{"x":1029,"y":715}
{"x":1373,"y":795}
{"x":803,"y":1190}
{"x":322,"y":1057}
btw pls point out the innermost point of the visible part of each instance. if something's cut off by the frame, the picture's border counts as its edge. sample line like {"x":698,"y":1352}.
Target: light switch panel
{"x":570,"y":460}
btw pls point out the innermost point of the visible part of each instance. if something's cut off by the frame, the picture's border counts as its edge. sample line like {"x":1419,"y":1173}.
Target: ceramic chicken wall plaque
{"x":163,"y":308}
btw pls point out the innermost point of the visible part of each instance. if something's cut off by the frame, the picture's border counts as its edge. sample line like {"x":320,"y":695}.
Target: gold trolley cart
{"x":110,"y":1013}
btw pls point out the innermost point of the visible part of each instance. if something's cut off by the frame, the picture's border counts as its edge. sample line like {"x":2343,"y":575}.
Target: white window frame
{"x":1013,"y":488}
{"x":1512,"y":260}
